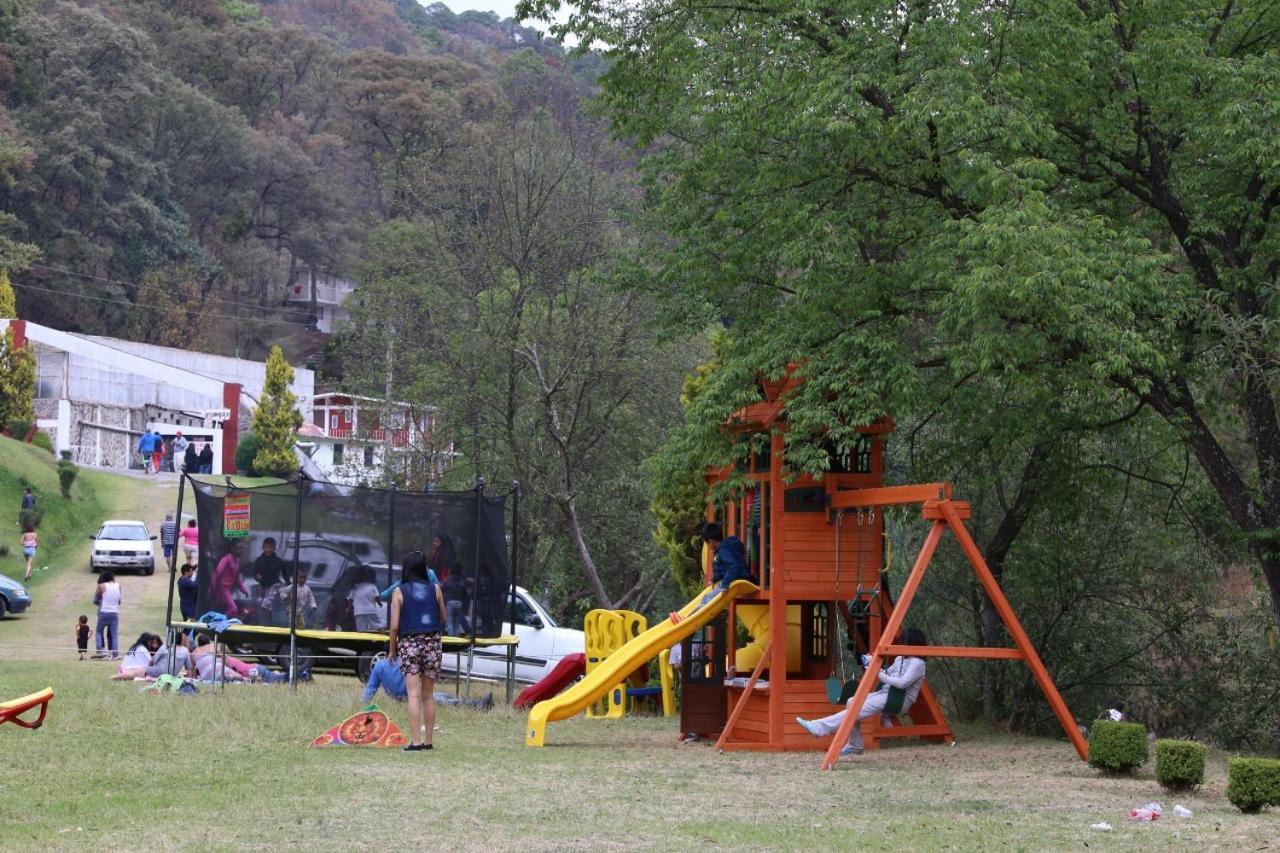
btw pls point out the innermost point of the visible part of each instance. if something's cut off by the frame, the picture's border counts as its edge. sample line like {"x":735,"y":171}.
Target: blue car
{"x":13,"y":596}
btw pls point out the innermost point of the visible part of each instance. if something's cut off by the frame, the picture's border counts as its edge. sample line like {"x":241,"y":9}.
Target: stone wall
{"x":105,"y":435}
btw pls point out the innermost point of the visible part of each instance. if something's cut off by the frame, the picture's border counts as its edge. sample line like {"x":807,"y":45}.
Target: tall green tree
{"x":276,"y":420}
{"x":17,"y":365}
{"x":1075,"y":203}
{"x":498,"y":299}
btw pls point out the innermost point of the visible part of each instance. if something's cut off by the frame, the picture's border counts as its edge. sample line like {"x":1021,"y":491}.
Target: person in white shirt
{"x":365,"y":604}
{"x":899,"y":686}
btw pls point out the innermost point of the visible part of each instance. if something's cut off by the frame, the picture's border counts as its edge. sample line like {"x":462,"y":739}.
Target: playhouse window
{"x":852,"y":460}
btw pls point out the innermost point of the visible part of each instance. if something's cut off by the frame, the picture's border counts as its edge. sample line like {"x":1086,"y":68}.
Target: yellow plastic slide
{"x":628,"y":659}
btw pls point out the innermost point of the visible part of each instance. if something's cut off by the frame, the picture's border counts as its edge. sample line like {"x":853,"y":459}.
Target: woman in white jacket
{"x":899,"y":686}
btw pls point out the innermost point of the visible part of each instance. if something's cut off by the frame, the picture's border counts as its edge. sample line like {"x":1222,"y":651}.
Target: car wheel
{"x":3,"y":606}
{"x":150,"y":570}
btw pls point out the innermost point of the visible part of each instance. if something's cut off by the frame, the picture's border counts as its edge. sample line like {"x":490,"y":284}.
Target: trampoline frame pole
{"x":475,"y":582}
{"x":173,"y":573}
{"x":515,"y":579}
{"x":293,"y":606}
{"x":391,"y":535}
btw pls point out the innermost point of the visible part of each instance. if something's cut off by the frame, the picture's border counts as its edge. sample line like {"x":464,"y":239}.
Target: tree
{"x":501,"y":299}
{"x":17,"y":365}
{"x":169,"y":306}
{"x":276,"y":420}
{"x":1075,"y":203}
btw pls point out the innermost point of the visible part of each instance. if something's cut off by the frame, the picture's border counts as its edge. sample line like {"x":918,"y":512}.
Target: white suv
{"x":542,"y":645}
{"x":122,"y":544}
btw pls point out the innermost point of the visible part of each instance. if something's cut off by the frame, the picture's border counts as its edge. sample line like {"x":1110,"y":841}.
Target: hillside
{"x":174,"y":186}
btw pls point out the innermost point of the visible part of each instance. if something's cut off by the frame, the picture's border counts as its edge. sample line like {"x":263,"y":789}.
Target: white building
{"x":330,"y":294}
{"x":360,"y":440}
{"x":94,"y":396}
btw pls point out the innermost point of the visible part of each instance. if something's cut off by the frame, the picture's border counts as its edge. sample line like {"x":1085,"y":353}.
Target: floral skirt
{"x":420,"y":654}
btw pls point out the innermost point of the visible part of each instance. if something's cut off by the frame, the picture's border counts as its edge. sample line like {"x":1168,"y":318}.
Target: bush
{"x":1253,"y":783}
{"x":1179,"y":764}
{"x":64,"y":455}
{"x":246,"y":450}
{"x":1117,"y":747}
{"x":19,"y":427}
{"x":42,"y":440}
{"x":67,"y":471}
{"x":4,"y":549}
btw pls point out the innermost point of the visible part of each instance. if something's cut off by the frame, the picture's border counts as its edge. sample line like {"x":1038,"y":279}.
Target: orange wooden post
{"x":744,"y":698}
{"x":777,"y":594}
{"x":887,"y":637}
{"x":1011,"y":622}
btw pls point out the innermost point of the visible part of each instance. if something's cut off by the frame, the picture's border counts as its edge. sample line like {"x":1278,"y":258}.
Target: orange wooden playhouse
{"x":818,"y":551}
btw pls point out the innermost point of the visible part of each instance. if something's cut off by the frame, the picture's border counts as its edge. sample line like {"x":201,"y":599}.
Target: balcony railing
{"x":397,"y":437}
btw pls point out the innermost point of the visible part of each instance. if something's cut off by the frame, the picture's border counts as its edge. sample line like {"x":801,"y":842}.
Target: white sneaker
{"x":850,"y":749}
{"x":807,"y":726}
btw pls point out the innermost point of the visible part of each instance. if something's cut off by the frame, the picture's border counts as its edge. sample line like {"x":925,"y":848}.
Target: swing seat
{"x":11,"y":711}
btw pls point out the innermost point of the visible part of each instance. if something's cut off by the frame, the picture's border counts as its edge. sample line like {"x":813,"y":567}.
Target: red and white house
{"x":355,"y":439}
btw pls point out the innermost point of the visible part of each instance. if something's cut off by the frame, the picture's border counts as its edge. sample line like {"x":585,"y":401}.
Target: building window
{"x":334,"y":420}
{"x":337,"y":454}
{"x":368,"y":457}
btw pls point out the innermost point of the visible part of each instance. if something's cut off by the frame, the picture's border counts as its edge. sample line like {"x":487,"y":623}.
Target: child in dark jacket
{"x":82,"y":635}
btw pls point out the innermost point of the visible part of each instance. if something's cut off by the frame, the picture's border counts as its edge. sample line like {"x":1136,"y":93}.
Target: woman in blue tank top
{"x":417,"y":618}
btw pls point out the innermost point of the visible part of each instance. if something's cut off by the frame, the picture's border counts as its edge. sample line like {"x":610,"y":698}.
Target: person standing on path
{"x":180,"y":446}
{"x":168,"y":536}
{"x":206,"y":458}
{"x":146,"y":449}
{"x":190,"y":458}
{"x":191,"y":542}
{"x":108,"y":601}
{"x":417,"y":618}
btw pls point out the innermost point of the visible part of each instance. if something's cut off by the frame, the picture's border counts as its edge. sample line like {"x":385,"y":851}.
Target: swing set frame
{"x":945,"y":514}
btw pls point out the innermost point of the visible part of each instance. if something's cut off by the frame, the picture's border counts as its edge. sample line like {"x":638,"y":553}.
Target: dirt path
{"x":47,"y":630}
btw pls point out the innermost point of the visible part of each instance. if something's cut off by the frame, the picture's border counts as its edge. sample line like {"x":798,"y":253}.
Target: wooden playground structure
{"x":818,"y":549}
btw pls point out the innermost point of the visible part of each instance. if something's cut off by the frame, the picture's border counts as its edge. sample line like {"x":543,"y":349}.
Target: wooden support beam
{"x":745,"y":697}
{"x":932,"y":510}
{"x":888,"y":495}
{"x":952,"y":652}
{"x":1014,"y":627}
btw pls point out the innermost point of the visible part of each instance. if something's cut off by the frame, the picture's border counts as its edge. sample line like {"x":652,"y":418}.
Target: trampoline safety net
{"x":341,"y":536}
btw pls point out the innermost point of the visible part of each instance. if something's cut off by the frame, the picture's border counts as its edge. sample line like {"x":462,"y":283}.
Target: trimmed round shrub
{"x":42,"y":440}
{"x":246,"y":451}
{"x":1179,"y":764}
{"x":67,"y":471}
{"x":19,"y":427}
{"x":1253,"y":783}
{"x":1117,"y":747}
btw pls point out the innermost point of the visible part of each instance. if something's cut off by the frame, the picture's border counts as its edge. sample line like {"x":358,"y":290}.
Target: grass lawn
{"x":113,"y":768}
{"x":116,"y":768}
